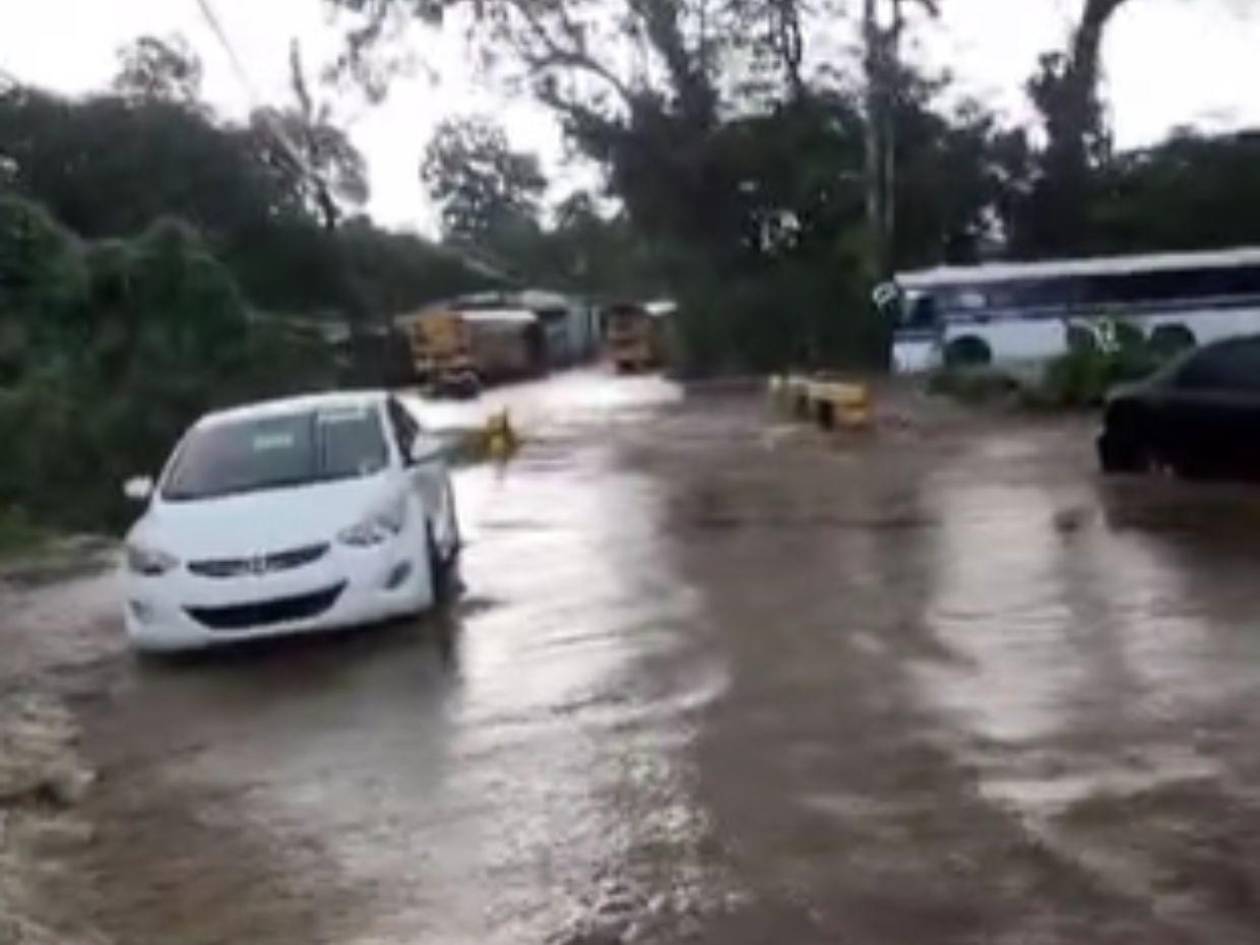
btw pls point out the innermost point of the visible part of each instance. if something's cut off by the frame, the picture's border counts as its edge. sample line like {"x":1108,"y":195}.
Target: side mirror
{"x":138,"y":488}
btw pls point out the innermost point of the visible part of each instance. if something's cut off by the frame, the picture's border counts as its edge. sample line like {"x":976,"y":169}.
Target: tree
{"x":488,"y":192}
{"x":161,"y":158}
{"x":236,"y":185}
{"x":42,"y":283}
{"x":316,"y":159}
{"x":107,"y":350}
{"x":763,"y":195}
{"x":956,"y":172}
{"x":1065,"y":92}
{"x":316,"y":162}
{"x":401,"y":272}
{"x":1193,"y":191}
{"x":155,"y":69}
{"x":885,"y":79}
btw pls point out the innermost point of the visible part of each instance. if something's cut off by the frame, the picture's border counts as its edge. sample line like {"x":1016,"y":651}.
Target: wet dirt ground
{"x":714,"y":678}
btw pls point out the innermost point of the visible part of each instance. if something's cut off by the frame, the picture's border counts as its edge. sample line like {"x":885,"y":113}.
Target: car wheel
{"x":457,"y":539}
{"x":1122,"y":456}
{"x":468,"y":386}
{"x":437,"y":570}
{"x":1192,"y":470}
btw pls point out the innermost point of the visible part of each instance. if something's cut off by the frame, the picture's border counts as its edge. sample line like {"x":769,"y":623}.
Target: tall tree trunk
{"x":1080,"y":118}
{"x":1087,"y":41}
{"x":876,"y":126}
{"x":1059,"y":217}
{"x":891,"y":102}
{"x":882,"y":52}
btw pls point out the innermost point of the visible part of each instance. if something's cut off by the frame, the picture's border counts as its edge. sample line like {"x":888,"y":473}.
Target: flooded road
{"x":712,"y":679}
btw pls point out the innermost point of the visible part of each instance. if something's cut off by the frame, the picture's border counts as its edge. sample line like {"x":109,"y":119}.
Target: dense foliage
{"x":109,"y":347}
{"x":769,"y":184}
{"x":487,"y":191}
{"x":247,"y":188}
{"x":1099,"y":356}
{"x":156,"y":262}
{"x":155,"y":258}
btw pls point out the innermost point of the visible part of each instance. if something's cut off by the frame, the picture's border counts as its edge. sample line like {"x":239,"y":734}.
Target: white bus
{"x":1006,"y":313}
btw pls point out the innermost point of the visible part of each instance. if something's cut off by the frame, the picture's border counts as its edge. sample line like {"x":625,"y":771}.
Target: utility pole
{"x":871,"y":42}
{"x":879,"y":48}
{"x":882,"y":63}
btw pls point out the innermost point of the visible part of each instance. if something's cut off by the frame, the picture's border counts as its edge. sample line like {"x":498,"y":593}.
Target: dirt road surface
{"x":714,"y":678}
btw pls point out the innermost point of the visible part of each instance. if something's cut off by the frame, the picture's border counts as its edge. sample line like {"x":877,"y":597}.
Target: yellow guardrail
{"x":828,"y":402}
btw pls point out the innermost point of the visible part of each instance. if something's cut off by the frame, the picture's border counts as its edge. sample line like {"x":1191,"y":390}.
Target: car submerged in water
{"x":1198,"y":416}
{"x":290,"y":516}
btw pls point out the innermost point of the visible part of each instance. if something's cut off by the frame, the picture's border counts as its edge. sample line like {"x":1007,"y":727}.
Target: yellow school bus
{"x":441,"y":353}
{"x":636,"y":335}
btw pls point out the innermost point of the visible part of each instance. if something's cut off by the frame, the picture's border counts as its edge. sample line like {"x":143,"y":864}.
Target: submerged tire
{"x":437,"y":568}
{"x":1117,"y":457}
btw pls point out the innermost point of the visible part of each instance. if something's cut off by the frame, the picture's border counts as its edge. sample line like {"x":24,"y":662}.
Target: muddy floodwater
{"x":713,"y":678}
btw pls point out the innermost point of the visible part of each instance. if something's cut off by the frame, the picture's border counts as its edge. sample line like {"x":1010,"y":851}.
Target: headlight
{"x":378,"y":527}
{"x":149,"y":561}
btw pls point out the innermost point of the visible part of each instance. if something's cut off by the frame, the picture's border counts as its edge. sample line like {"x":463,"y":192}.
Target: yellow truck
{"x":636,"y":335}
{"x":506,"y":344}
{"x":442,"y":354}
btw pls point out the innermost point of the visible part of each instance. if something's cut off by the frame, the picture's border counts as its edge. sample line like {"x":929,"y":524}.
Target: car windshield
{"x":275,"y":451}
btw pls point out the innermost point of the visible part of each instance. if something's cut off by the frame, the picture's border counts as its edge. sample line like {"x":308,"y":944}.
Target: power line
{"x":264,"y":113}
{"x":216,"y":27}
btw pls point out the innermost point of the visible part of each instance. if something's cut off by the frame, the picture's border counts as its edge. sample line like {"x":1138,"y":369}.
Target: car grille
{"x":267,"y":612}
{"x":260,"y":564}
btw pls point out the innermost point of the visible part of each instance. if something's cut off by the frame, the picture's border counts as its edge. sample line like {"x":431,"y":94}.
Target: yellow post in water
{"x":500,"y":437}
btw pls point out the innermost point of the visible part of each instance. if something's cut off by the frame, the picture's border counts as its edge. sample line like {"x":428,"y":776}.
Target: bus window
{"x":1004,"y":295}
{"x":969,"y":300}
{"x":1172,"y":285}
{"x":922,"y":312}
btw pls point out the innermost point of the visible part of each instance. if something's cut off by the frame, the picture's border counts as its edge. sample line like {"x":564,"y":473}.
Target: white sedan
{"x":290,"y":516}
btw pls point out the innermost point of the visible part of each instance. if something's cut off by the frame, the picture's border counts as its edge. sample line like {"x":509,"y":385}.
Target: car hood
{"x":1126,"y":391}
{"x":260,"y":522}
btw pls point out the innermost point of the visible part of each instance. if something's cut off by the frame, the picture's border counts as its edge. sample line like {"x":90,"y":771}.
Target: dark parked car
{"x":1199,"y":415}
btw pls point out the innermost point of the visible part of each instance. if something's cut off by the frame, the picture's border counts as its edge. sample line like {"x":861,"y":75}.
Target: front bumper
{"x":348,"y":587}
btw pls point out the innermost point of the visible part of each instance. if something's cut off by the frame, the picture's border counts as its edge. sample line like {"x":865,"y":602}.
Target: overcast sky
{"x":1168,"y":62}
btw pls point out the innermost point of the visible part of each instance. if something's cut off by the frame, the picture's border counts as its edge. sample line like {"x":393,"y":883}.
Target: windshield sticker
{"x":342,"y":415}
{"x":264,"y":442}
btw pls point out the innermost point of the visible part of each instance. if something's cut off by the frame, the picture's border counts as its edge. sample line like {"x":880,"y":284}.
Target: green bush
{"x":973,"y":385}
{"x":1099,"y":355}
{"x":109,"y":350}
{"x":17,"y":531}
{"x":1089,"y":369}
{"x":1077,"y":378}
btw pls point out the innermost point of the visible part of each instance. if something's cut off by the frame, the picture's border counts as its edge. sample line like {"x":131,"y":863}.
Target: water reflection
{"x":587,"y":606}
{"x":488,"y":773}
{"x":997,"y":605}
{"x":1087,"y":650}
